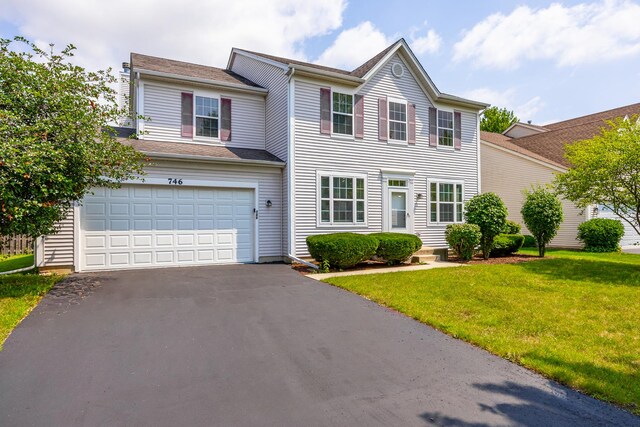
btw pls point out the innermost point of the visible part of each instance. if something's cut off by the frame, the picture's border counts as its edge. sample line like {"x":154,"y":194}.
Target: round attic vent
{"x":397,"y":70}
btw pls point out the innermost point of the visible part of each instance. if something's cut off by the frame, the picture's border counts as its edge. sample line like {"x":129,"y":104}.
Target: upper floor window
{"x":397,"y":121}
{"x":342,"y":199}
{"x":342,"y":113}
{"x":445,"y":128}
{"x":207,"y":116}
{"x":445,"y":201}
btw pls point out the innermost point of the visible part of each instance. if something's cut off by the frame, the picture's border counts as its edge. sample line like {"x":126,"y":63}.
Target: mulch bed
{"x":513,"y":259}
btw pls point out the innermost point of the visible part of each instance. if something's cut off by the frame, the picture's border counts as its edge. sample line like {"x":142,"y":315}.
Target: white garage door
{"x":139,"y":226}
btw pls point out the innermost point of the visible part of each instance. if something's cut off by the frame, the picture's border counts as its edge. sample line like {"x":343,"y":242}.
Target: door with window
{"x":398,"y":207}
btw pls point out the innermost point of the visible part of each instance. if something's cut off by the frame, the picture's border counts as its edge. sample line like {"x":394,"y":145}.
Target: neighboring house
{"x":250,"y":160}
{"x":526,"y":155}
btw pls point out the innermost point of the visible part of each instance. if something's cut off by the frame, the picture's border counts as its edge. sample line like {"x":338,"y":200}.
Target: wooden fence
{"x":15,"y":245}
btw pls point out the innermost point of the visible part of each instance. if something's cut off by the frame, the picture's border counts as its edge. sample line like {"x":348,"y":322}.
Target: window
{"x":342,"y":199}
{"x":445,"y":128}
{"x":397,"y":121}
{"x":445,"y":201}
{"x":342,"y":113}
{"x":207,"y":114}
{"x":397,"y":183}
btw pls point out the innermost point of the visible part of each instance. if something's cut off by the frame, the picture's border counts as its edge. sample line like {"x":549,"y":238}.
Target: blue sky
{"x":547,"y":61}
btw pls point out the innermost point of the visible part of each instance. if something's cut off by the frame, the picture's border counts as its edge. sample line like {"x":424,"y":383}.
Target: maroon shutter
{"x":225,"y":119}
{"x":457,"y":130}
{"x":187,"y":115}
{"x":358,"y":109}
{"x":433,"y":127}
{"x":325,"y":111}
{"x":383,"y":129}
{"x":411,"y":115}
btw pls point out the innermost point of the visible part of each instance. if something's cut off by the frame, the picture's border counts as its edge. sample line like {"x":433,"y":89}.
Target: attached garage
{"x":143,"y":226}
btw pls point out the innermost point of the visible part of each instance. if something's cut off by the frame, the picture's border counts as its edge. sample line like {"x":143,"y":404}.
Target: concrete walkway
{"x":382,"y":270}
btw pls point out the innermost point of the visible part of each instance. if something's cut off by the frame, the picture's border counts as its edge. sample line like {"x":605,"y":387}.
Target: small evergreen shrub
{"x":463,"y":238}
{"x":529,"y":241}
{"x":396,"y":247}
{"x":601,"y":234}
{"x":507,"y":244}
{"x":511,"y":227}
{"x":542,"y":214}
{"x":488,"y":212}
{"x":342,"y":250}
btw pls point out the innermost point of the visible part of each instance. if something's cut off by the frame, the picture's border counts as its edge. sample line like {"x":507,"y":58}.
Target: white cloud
{"x":190,"y":30}
{"x":507,"y":99}
{"x":354,"y":46}
{"x":428,"y":44}
{"x":580,"y":34}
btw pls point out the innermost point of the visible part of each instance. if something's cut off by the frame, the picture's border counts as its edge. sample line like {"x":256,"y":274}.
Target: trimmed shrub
{"x":601,"y":234}
{"x":507,"y":244}
{"x":511,"y":227}
{"x":542,"y":214}
{"x":489,"y":213}
{"x":529,"y":241}
{"x":396,"y":247}
{"x":342,"y":250}
{"x":463,"y":238}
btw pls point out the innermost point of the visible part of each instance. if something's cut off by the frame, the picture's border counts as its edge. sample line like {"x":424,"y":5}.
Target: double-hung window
{"x":342,"y":199}
{"x":445,"y":201}
{"x":207,"y":117}
{"x":397,"y":121}
{"x":342,"y":113}
{"x":445,"y":128}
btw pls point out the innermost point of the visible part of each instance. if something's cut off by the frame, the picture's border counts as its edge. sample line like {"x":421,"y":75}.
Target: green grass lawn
{"x":574,"y":317}
{"x":16,"y":262}
{"x":20,"y":293}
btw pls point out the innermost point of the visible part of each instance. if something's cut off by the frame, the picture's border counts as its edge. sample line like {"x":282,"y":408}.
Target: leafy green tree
{"x":55,"y":142}
{"x":497,"y":120}
{"x":488,"y":212}
{"x":605,"y":170}
{"x":542,"y":214}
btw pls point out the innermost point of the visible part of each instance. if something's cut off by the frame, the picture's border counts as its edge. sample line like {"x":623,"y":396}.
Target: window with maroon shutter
{"x":325,"y":110}
{"x":187,"y":115}
{"x":383,"y":130}
{"x":411,"y":113}
{"x":359,"y":116}
{"x":225,"y":119}
{"x":457,"y":130}
{"x":433,"y":127}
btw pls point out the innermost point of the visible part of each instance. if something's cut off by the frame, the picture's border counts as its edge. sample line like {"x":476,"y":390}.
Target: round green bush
{"x":529,"y":241}
{"x":511,"y":227}
{"x":396,"y":247}
{"x":507,"y":244}
{"x":488,"y":212}
{"x":601,"y":234}
{"x":342,"y":250}
{"x":463,"y":238}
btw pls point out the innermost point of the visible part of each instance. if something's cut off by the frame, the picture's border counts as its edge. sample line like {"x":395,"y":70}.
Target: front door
{"x":399,"y":217}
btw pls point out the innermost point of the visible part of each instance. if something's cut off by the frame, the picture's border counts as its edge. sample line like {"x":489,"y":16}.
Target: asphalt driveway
{"x":257,"y":345}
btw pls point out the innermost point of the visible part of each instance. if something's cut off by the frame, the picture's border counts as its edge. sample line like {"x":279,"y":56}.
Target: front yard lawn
{"x":574,"y":317}
{"x":20,"y":293}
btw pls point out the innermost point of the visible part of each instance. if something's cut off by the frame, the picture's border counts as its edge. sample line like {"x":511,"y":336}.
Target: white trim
{"x":208,"y":82}
{"x":524,"y":156}
{"x":455,"y":182}
{"x":338,"y":174}
{"x":236,"y":51}
{"x":407,"y":176}
{"x":140,"y":108}
{"x":398,"y":171}
{"x":524,"y":125}
{"x":291,"y":121}
{"x":39,"y":252}
{"x":76,"y":236}
{"x":338,"y":135}
{"x":478,"y":142}
{"x":210,"y":95}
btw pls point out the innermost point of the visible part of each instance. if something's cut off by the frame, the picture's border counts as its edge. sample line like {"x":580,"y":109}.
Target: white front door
{"x":399,"y":216}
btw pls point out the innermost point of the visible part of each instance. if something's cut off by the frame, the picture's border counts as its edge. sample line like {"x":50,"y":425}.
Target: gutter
{"x":328,"y":75}
{"x":301,"y":261}
{"x":32,"y":267}
{"x":195,"y":158}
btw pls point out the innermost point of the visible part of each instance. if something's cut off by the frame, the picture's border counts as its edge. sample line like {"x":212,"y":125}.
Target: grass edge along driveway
{"x":20,"y":293}
{"x":572,"y":317}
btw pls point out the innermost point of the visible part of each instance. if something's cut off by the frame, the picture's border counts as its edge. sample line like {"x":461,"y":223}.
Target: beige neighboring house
{"x":526,"y":155}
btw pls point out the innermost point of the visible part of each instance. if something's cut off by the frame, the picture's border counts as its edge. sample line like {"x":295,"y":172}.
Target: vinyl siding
{"x":59,"y":248}
{"x":314,"y":151}
{"x":276,"y":112}
{"x":161,"y":104}
{"x":508,"y":175}
{"x":631,"y":237}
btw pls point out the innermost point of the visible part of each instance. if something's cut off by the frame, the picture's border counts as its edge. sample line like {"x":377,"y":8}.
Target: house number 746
{"x":175,"y":181}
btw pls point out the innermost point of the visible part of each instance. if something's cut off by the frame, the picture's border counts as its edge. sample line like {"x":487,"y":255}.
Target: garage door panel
{"x":145,"y":225}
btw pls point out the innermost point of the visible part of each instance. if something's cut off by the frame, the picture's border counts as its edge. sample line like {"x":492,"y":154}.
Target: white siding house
{"x":248,"y":161}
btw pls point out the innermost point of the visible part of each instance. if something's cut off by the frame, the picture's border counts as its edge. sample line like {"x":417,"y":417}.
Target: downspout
{"x":20,"y":270}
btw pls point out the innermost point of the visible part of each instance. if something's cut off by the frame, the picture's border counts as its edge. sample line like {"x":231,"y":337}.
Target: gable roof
{"x":141,"y":62}
{"x":505,"y":142}
{"x":358,"y":74}
{"x":550,"y":143}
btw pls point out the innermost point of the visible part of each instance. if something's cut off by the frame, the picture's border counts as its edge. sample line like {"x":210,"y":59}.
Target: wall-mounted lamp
{"x":419,"y":196}
{"x":269,"y":204}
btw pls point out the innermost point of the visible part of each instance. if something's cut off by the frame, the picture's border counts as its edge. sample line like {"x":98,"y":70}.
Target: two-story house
{"x":250,"y":160}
